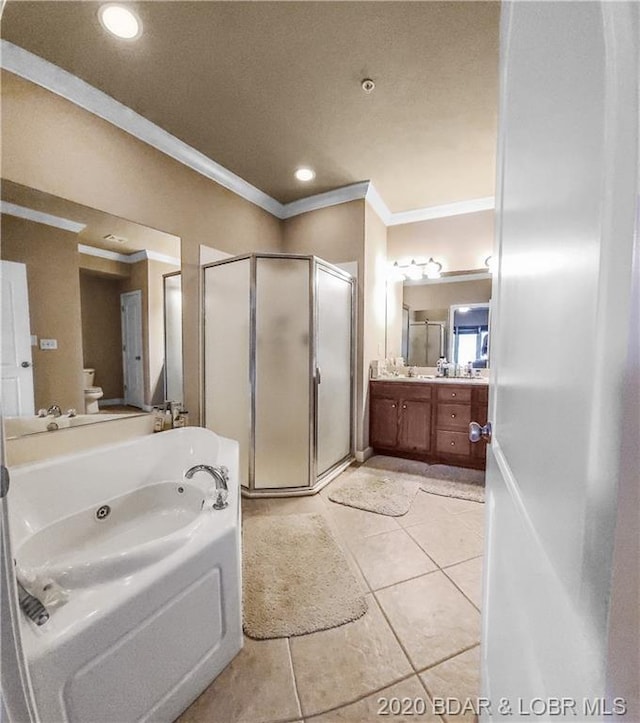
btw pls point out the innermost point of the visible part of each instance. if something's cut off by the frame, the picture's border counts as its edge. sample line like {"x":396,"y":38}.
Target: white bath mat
{"x":437,"y":479}
{"x":296,"y":579}
{"x":375,"y":492}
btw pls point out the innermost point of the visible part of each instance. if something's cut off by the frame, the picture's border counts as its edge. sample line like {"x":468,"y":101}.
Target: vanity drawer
{"x":454,"y":416}
{"x":454,"y":394}
{"x":453,"y":443}
{"x":400,"y":390}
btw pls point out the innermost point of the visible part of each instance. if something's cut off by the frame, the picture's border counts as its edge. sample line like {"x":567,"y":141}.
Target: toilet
{"x":91,"y":393}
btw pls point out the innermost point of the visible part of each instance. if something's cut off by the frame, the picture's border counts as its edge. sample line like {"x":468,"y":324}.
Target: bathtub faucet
{"x":220,"y":477}
{"x":55,"y":410}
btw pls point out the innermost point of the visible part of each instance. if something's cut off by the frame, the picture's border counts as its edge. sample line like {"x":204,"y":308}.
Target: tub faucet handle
{"x":220,"y":476}
{"x":217,"y":498}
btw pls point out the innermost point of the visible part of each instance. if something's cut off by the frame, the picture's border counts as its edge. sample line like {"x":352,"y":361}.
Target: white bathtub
{"x":154,"y":605}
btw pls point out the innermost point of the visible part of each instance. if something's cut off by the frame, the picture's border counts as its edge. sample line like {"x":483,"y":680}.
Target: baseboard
{"x":364,"y":454}
{"x":110,"y":402}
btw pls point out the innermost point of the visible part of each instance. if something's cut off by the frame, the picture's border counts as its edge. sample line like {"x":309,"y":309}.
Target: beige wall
{"x":103,"y":266}
{"x":101,"y":332}
{"x":54,"y":146}
{"x":335,"y":234}
{"x":459,"y":243}
{"x":375,"y":308}
{"x":443,"y":295}
{"x":51,"y":258}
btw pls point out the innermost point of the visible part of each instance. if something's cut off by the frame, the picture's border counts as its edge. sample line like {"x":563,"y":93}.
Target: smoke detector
{"x":368,"y":85}
{"x":115,"y":239}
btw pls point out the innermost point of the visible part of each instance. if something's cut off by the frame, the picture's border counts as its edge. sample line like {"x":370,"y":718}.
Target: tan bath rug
{"x":296,"y":579}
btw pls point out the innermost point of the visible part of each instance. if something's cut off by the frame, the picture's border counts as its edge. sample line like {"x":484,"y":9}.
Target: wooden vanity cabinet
{"x":400,"y":418}
{"x":428,"y":421}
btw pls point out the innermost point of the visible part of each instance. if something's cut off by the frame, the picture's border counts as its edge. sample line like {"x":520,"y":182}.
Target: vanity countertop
{"x":479,"y":381}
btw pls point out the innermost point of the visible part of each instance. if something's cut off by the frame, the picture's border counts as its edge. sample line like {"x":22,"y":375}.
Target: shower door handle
{"x":318,"y":375}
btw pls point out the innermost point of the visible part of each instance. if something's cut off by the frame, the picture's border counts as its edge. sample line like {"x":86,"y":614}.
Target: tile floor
{"x":419,"y":639}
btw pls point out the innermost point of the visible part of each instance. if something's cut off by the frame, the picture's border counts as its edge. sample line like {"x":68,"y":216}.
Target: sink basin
{"x":114,"y":539}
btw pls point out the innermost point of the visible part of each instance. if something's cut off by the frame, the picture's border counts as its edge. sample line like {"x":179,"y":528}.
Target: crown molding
{"x":31,"y":67}
{"x":37,"y":70}
{"x":335,"y":197}
{"x":377,"y":203}
{"x":144,"y":255}
{"x":12,"y":209}
{"x":444,"y":211}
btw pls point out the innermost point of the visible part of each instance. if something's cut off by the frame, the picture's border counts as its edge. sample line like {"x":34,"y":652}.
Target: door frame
{"x":137,"y":296}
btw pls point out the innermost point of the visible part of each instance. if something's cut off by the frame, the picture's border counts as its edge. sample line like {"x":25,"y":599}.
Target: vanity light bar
{"x":431,"y":269}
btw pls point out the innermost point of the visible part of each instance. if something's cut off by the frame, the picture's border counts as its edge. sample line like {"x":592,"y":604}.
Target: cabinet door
{"x":383,"y":431}
{"x":415,"y":426}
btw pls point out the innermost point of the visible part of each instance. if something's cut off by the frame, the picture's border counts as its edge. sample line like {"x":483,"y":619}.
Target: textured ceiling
{"x":263,"y":87}
{"x":98,"y":224}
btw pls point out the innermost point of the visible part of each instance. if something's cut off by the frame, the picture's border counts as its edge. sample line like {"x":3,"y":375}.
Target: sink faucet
{"x":55,"y":410}
{"x":220,"y":477}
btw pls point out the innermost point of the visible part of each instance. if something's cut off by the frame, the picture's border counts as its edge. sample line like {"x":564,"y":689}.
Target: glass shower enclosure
{"x":279,"y":368}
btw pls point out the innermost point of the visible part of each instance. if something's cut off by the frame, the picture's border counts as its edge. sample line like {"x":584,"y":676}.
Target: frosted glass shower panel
{"x":173,"y":337}
{"x":282,"y":398}
{"x":227,"y":392}
{"x":333,"y":355}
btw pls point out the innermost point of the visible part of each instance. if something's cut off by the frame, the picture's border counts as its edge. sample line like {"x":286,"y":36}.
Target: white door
{"x":566,"y":204}
{"x":17,"y":369}
{"x":131,"y":309}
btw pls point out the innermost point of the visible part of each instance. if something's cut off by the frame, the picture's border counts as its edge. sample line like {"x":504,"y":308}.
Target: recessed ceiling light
{"x":120,"y":21}
{"x":305,"y":174}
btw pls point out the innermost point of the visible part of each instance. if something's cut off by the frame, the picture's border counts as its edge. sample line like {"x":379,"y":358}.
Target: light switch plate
{"x":48,"y":343}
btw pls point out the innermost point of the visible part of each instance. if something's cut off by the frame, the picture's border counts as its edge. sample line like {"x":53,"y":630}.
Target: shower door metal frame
{"x":328,"y":474}
{"x":313,"y":482}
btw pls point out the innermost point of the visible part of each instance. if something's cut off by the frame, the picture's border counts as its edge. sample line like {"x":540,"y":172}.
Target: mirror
{"x":428,"y":319}
{"x":469,"y":337}
{"x":83,"y":313}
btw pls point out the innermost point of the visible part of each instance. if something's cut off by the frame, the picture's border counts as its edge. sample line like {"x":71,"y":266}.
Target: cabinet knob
{"x":453,"y":416}
{"x":453,"y":444}
{"x":453,"y":394}
{"x":393,"y":406}
{"x":404,"y":406}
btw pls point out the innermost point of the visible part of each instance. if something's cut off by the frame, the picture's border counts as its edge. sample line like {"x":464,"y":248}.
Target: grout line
{"x":409,"y":579}
{"x":295,"y":682}
{"x":396,"y":636}
{"x":449,"y":657}
{"x":461,"y":562}
{"x":430,"y":696}
{"x":463,"y":593}
{"x":362,"y":697}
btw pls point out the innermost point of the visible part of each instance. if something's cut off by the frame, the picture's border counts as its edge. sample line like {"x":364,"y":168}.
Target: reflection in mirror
{"x":82,"y":312}
{"x":427,"y":323}
{"x":173,"y":381}
{"x":470,"y":334}
{"x":426,"y":339}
